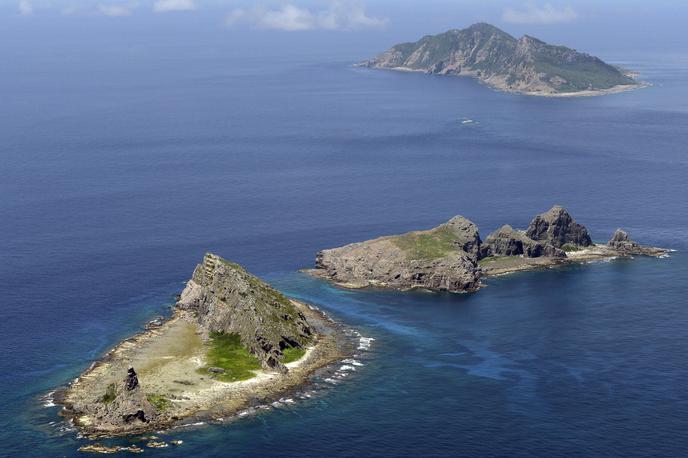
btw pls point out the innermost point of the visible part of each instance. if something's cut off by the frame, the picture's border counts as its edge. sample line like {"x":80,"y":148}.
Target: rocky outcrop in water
{"x":558,"y":228}
{"x":225,"y":298}
{"x":526,"y":65}
{"x":621,"y":242}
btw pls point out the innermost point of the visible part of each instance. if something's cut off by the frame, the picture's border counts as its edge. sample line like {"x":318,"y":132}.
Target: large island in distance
{"x":232,"y":341}
{"x":525,"y":65}
{"x":452,"y":257}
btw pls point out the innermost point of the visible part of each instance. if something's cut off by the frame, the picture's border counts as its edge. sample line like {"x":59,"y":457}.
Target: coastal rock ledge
{"x":232,"y":341}
{"x":452,"y":257}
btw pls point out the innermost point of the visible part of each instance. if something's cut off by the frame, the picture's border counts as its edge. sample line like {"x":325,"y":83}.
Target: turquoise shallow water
{"x":114,"y":186}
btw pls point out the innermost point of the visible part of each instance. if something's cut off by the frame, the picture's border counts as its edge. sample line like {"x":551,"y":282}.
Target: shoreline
{"x":193,"y":397}
{"x":585,"y":93}
{"x":505,"y":265}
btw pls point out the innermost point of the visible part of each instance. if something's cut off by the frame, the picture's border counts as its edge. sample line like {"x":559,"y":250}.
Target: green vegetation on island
{"x":110,"y":394}
{"x":161,"y":403}
{"x":228,"y":354}
{"x":292,"y":354}
{"x":428,"y":245}
{"x":570,"y":247}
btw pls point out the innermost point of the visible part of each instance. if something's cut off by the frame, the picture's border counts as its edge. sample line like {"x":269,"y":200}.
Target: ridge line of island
{"x":525,"y":65}
{"x":452,"y":257}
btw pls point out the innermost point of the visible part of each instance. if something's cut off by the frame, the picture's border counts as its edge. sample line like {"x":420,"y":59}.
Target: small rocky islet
{"x":452,"y":257}
{"x":232,"y":341}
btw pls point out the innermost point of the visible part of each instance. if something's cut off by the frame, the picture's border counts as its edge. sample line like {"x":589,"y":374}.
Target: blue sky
{"x":584,"y":24}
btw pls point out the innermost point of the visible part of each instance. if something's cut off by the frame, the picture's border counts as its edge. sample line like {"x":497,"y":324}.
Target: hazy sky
{"x":590,"y":25}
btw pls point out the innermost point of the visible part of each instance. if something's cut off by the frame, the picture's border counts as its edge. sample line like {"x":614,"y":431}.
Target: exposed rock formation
{"x":442,"y":259}
{"x":226,"y":298}
{"x":558,"y":228}
{"x":124,"y":405}
{"x":621,"y":242}
{"x":506,"y":241}
{"x":132,"y":381}
{"x":525,"y":65}
{"x":465,"y":234}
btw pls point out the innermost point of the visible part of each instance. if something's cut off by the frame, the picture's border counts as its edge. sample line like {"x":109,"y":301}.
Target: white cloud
{"x":114,"y":10}
{"x":163,"y":6}
{"x":338,"y":15}
{"x":532,"y":13}
{"x":25,"y":8}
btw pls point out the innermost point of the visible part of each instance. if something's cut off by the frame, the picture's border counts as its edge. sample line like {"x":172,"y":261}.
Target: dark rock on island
{"x":452,"y":257}
{"x":524,"y":65}
{"x":558,"y":228}
{"x":507,"y":241}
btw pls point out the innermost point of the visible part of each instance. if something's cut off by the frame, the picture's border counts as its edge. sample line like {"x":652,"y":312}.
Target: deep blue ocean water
{"x":120,"y":170}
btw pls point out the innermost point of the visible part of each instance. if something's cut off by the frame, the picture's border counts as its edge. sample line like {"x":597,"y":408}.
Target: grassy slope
{"x":293,"y":354}
{"x":226,"y":352}
{"x":161,"y":403}
{"x":583,"y":75}
{"x":429,"y":245}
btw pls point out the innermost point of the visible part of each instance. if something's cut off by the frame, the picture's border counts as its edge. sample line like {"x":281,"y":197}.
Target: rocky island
{"x":452,"y":257}
{"x":525,"y":65}
{"x":233,"y":340}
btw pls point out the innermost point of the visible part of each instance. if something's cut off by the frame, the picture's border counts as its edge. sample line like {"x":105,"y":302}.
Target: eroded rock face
{"x":506,"y":241}
{"x":467,"y":234}
{"x":558,"y":228}
{"x":226,"y":298}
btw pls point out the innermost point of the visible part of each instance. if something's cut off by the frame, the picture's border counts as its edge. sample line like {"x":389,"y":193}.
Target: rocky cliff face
{"x":441,"y":259}
{"x":506,"y":241}
{"x":485,"y":52}
{"x":226,"y":298}
{"x":558,"y":228}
